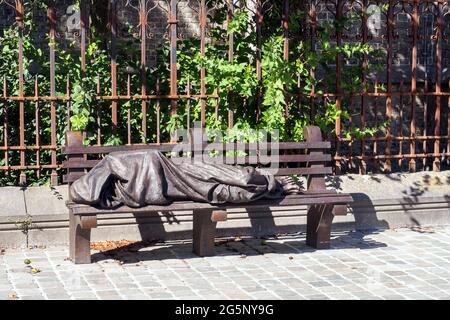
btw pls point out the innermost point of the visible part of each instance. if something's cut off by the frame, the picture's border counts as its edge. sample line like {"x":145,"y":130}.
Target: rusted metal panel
{"x":420,"y":104}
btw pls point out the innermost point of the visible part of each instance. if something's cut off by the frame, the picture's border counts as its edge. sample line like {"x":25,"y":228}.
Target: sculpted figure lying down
{"x":146,"y":177}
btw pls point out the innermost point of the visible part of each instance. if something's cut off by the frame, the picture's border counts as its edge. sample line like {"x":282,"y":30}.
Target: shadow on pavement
{"x":243,"y":247}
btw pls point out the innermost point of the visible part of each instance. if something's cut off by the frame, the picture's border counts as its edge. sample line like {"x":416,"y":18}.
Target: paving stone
{"x":161,"y":295}
{"x":36,"y":297}
{"x":394,"y":297}
{"x":264,"y":296}
{"x":316,"y":297}
{"x":405,"y":267}
{"x":5,"y":287}
{"x":6,"y":294}
{"x":58,"y":297}
{"x":28,"y":292}
{"x":125,"y":285}
{"x":84,"y":295}
{"x":252,"y":289}
{"x":28,"y":284}
{"x":136,"y":297}
{"x":106,"y":292}
{"x":287,"y":294}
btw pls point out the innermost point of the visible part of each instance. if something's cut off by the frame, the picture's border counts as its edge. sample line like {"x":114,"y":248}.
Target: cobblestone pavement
{"x":394,"y":264}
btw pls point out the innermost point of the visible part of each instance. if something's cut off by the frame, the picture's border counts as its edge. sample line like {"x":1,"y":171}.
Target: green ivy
{"x":234,"y":81}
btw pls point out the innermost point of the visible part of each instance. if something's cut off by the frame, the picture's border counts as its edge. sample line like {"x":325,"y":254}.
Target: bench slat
{"x":80,"y":163}
{"x":167,"y":147}
{"x":291,"y":200}
{"x":301,"y":171}
{"x":73,"y":176}
{"x":87,"y":164}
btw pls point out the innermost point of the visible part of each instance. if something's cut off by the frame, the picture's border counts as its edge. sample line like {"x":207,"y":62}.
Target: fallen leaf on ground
{"x":27,"y":261}
{"x":111,"y":245}
{"x":35,"y":270}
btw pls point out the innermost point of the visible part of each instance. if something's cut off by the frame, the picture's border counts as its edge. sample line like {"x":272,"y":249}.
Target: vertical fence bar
{"x":37,"y":119}
{"x":216,"y":103}
{"x":259,"y":21}
{"x":202,"y":19}
{"x":230,"y":14}
{"x":313,"y":39}
{"x":339,"y":16}
{"x":188,"y":106}
{"x":99,"y":116}
{"x":412,"y":144}
{"x":437,"y":114}
{"x":285,"y":26}
{"x":375,"y":112}
{"x":448,"y":127}
{"x":68,"y":103}
{"x":143,"y":72}
{"x":158,"y":114}
{"x":390,"y":38}
{"x":173,"y":23}
{"x":84,"y":24}
{"x":425,"y":123}
{"x":20,"y":23}
{"x":402,"y":106}
{"x":365,"y":63}
{"x":129,"y":109}
{"x":51,"y":15}
{"x":5,"y":127}
{"x":113,"y":28}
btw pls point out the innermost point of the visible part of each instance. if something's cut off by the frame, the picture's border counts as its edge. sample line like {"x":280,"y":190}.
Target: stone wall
{"x":68,"y":31}
{"x":68,"y":24}
{"x":402,"y":47}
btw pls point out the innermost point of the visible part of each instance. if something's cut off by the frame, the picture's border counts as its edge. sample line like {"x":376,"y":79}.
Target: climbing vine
{"x":278,"y":101}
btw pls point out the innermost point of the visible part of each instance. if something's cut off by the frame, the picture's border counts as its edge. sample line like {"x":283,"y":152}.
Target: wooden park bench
{"x":296,"y":158}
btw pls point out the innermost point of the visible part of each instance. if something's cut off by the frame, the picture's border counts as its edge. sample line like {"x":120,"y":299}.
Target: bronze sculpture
{"x":146,"y":177}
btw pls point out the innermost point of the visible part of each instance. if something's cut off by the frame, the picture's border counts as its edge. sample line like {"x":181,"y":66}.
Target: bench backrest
{"x":293,"y":158}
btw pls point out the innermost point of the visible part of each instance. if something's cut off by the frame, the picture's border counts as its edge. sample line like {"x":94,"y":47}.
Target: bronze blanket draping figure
{"x":147,"y":177}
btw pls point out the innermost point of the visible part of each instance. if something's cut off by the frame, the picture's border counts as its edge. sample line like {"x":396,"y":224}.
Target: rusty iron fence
{"x":414,"y":98}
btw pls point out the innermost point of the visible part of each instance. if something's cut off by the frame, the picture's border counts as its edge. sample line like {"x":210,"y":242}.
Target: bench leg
{"x":204,"y":232}
{"x":318,"y":228}
{"x":80,"y":237}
